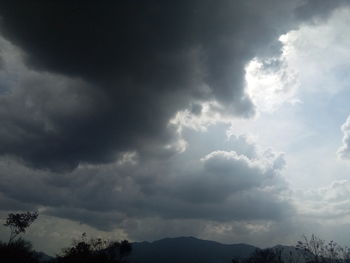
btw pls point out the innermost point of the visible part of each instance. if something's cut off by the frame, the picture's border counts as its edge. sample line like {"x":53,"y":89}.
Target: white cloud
{"x":326,"y":203}
{"x":314,"y":59}
{"x":271,"y":83}
{"x":319,"y":53}
{"x":344,"y":150}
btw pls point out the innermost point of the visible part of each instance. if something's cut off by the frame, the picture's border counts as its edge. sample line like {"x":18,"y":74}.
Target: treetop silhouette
{"x":18,"y":223}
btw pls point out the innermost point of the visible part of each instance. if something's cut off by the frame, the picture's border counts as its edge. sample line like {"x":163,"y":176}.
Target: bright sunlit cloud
{"x":270,"y":83}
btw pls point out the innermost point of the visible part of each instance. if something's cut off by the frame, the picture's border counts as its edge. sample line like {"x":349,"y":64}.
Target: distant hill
{"x":194,"y":250}
{"x":188,"y":250}
{"x":42,"y":257}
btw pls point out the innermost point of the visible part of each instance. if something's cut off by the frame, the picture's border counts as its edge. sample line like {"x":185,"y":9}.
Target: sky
{"x":224,"y":120}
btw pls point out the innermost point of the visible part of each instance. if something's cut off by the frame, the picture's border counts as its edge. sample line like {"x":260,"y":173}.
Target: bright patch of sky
{"x":302,"y":101}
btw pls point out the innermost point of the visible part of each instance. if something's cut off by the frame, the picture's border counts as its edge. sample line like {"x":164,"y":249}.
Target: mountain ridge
{"x":188,"y":249}
{"x":194,"y":238}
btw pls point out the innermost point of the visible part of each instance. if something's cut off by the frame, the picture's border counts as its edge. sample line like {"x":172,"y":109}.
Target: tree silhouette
{"x":265,"y":256}
{"x":18,"y":251}
{"x":316,"y":250}
{"x":95,"y":250}
{"x":18,"y":223}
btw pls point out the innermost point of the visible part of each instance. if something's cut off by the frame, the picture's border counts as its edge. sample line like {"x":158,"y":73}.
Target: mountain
{"x":42,"y":257}
{"x":188,"y":250}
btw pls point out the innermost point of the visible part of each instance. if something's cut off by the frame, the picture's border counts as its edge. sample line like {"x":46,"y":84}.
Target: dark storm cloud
{"x":222,"y":186}
{"x":89,"y":93}
{"x":319,"y":9}
{"x":139,"y":63}
{"x":8,"y":204}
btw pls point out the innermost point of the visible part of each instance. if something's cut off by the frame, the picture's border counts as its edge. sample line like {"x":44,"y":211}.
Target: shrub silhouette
{"x":317,"y":250}
{"x":95,"y":250}
{"x":265,"y":256}
{"x":19,"y":251}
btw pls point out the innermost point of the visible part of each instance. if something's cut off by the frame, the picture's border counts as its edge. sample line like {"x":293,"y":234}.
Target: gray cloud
{"x":330,"y":203}
{"x":86,"y":95}
{"x":127,"y":76}
{"x":318,"y":10}
{"x":215,"y":185}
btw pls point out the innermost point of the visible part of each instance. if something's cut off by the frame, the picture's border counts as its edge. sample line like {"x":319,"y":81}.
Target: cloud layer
{"x":220,"y":186}
{"x":124,"y":78}
{"x":115,"y":115}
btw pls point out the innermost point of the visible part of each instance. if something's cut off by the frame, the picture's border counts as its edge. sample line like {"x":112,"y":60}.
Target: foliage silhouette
{"x":19,"y":251}
{"x":18,"y":223}
{"x":265,"y":256}
{"x":95,"y":250}
{"x":316,"y":250}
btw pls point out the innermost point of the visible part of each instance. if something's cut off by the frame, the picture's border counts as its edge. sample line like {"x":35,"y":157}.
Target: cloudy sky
{"x":225,"y":120}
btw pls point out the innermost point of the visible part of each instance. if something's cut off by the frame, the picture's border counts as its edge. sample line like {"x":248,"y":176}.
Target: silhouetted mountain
{"x":188,"y":250}
{"x":193,"y":250}
{"x":42,"y":257}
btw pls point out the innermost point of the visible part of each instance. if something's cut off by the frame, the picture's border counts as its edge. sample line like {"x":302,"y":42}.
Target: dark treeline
{"x":84,"y":250}
{"x":94,"y":250}
{"x":91,"y":250}
{"x":307,"y":250}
